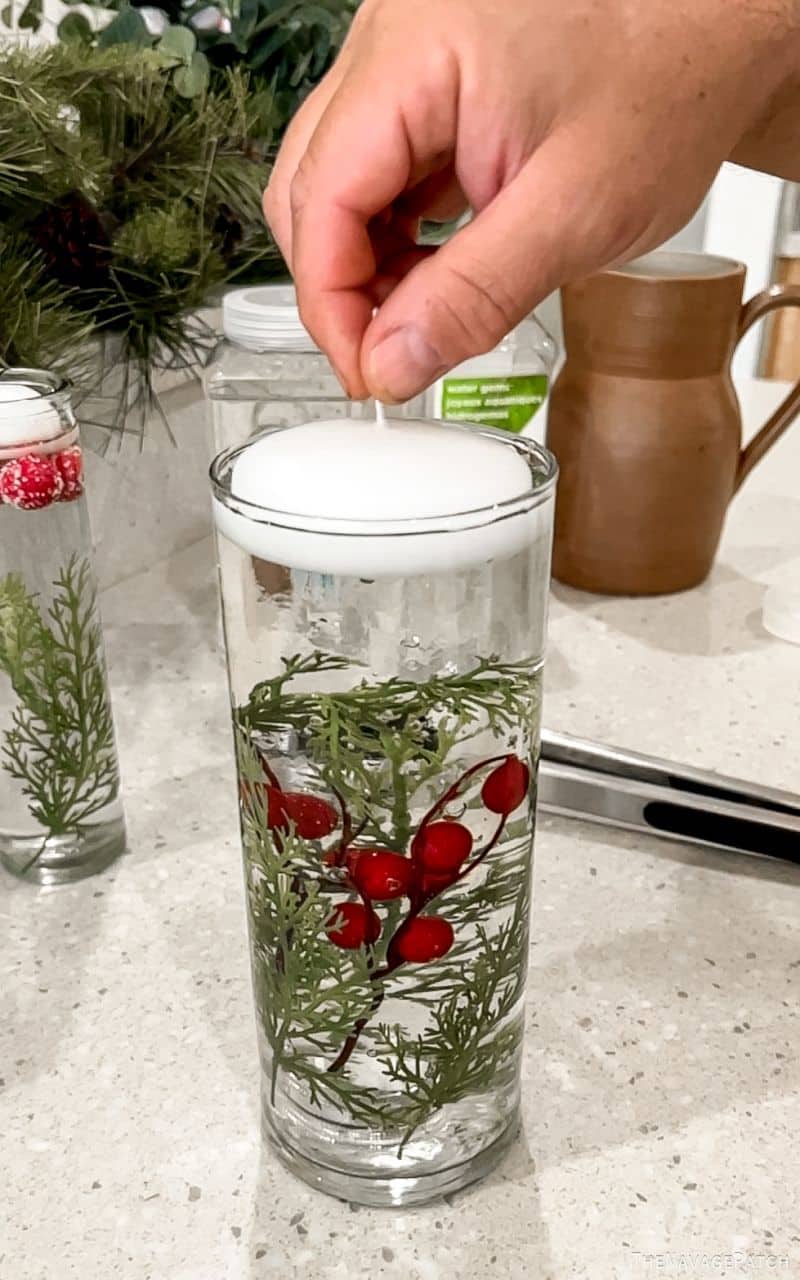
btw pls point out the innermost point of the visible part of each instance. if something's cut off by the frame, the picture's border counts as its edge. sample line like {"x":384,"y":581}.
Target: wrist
{"x":770,"y":141}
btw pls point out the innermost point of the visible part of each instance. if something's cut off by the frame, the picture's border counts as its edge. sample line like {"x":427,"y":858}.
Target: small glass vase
{"x":60,"y":812}
{"x":387,"y":737}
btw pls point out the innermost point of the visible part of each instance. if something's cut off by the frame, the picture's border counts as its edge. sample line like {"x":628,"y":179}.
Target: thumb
{"x":548,"y":225}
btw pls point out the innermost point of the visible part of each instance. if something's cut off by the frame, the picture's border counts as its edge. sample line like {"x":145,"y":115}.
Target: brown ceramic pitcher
{"x":645,"y":422}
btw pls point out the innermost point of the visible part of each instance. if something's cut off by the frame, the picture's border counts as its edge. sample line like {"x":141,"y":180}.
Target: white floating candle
{"x":26,"y":417}
{"x":348,"y":497}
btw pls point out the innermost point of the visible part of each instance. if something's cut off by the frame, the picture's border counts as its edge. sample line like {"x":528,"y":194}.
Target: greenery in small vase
{"x":59,"y":745}
{"x":123,"y":205}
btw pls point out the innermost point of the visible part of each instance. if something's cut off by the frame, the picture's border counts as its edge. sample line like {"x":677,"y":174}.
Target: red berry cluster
{"x":36,"y":480}
{"x":441,"y":853}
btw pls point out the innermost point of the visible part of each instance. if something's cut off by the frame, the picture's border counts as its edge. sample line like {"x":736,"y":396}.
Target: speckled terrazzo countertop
{"x":662,"y":1088}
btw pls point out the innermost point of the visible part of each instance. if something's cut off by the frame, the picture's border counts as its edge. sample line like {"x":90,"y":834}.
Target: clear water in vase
{"x":60,"y":813}
{"x":387,"y":740}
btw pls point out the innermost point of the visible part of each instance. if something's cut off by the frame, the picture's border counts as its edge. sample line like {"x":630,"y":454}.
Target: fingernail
{"x":403,"y":364}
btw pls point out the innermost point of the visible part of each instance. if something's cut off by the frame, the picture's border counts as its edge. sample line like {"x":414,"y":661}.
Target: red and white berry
{"x":69,"y":464}
{"x":30,"y":483}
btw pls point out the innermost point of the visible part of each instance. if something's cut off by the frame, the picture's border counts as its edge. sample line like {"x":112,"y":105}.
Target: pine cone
{"x":74,"y":242}
{"x":229,"y":230}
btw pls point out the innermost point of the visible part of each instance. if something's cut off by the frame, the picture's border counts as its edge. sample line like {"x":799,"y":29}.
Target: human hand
{"x":581,"y":134}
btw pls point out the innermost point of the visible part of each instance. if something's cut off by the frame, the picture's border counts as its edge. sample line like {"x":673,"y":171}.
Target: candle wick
{"x":380,"y":411}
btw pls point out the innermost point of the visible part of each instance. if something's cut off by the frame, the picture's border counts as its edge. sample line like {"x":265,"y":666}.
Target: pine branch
{"x":392,"y":738}
{"x":60,"y":745}
{"x":317,"y":1001}
{"x":40,"y":323}
{"x":303,"y":991}
{"x":111,"y":178}
{"x":471,"y":1044}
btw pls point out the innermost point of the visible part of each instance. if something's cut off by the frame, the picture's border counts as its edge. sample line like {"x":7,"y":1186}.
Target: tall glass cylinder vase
{"x":385,"y":680}
{"x":60,"y":813}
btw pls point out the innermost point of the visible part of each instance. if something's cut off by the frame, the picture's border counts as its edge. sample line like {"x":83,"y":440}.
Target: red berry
{"x":69,"y":465}
{"x":433,"y":885}
{"x":382,"y":875}
{"x":30,"y":483}
{"x":424,"y":938}
{"x":312,"y":817}
{"x":506,"y":787}
{"x":442,"y":847}
{"x":353,"y":925}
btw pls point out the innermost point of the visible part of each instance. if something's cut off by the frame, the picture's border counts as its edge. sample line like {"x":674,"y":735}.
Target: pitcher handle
{"x":778,"y":295}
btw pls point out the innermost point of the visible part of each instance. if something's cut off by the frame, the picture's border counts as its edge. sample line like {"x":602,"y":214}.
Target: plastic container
{"x":385,"y":645}
{"x":506,"y":389}
{"x":267,"y":370}
{"x":781,"y":608}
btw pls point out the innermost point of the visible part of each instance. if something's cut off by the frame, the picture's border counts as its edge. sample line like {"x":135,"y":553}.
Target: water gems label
{"x":507,"y":403}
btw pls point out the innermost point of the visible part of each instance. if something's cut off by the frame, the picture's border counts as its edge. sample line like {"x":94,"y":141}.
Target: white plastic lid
{"x":781,"y":610}
{"x":265,"y":318}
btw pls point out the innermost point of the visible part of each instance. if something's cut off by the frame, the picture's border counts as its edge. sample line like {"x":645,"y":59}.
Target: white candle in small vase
{"x":29,"y":421}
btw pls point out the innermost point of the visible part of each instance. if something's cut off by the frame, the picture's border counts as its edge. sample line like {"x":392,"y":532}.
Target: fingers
{"x":395,"y":269}
{"x":276,"y":202}
{"x":557,"y":219}
{"x":357,"y":162}
{"x":381,"y":135}
{"x":351,"y":171}
{"x":438,"y":198}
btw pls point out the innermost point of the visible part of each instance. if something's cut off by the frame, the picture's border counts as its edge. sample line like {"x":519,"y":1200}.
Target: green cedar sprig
{"x":310,"y":994}
{"x":60,"y":743}
{"x":394,"y":738}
